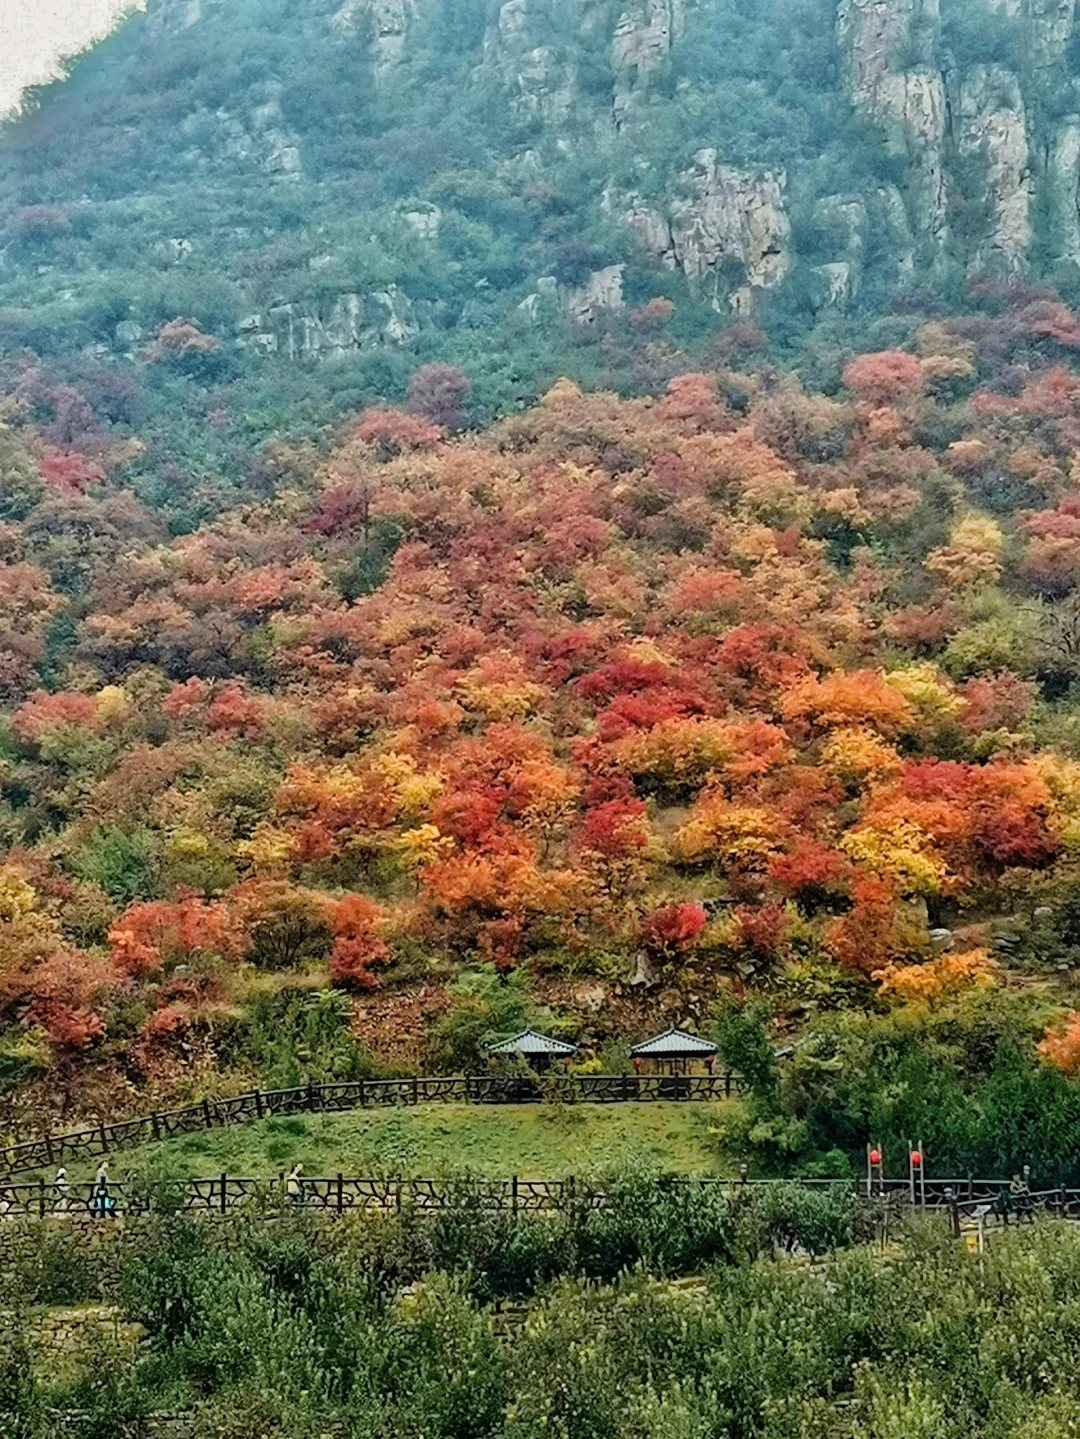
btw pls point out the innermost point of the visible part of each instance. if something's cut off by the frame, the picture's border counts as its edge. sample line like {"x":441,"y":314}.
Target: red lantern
{"x":916,"y":1158}
{"x":875,"y":1156}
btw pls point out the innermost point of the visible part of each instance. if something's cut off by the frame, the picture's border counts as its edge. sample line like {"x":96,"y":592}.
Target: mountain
{"x":336,"y":192}
{"x":557,"y":514}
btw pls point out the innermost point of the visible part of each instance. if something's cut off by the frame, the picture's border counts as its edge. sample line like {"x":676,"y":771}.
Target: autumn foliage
{"x":735,"y":674}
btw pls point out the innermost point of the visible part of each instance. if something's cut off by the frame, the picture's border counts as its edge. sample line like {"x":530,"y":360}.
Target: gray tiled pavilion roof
{"x":672,"y":1044}
{"x":530,"y":1041}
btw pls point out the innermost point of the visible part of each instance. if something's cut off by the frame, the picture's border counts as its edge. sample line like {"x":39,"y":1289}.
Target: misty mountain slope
{"x":334,"y":192}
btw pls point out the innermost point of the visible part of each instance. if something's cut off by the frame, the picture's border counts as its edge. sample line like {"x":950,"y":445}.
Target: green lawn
{"x":533,"y":1141}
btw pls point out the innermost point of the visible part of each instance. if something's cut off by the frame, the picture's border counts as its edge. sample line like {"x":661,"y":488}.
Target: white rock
{"x":643,"y":38}
{"x":424,"y":220}
{"x":837,"y":278}
{"x":600,"y":295}
{"x":993,"y":124}
{"x":1063,"y":177}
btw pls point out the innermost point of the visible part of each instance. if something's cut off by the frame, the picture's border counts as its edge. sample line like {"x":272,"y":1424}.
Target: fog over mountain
{"x":36,"y":34}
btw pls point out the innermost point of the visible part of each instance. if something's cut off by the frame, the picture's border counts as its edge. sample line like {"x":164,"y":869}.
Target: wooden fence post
{"x":259,"y":1103}
{"x":209,"y":1123}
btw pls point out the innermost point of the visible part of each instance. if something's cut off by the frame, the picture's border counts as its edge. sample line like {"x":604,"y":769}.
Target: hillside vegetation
{"x":335,"y":191}
{"x":664,"y":1316}
{"x":618,"y":710}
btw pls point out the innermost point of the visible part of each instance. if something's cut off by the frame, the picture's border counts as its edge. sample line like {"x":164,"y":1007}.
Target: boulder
{"x":600,"y":295}
{"x":423,"y":219}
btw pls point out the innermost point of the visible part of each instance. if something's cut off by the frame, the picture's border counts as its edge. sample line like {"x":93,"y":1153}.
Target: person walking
{"x":101,"y":1201}
{"x":1020,"y":1198}
{"x":61,"y":1191}
{"x":1002,"y":1205}
{"x":294,"y":1186}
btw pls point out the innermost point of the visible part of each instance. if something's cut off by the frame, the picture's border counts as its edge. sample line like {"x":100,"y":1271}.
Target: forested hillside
{"x":554,"y":513}
{"x":334,"y":192}
{"x":598,"y":716}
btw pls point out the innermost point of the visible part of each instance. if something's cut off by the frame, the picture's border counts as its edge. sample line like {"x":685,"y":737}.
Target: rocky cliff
{"x":334,"y":179}
{"x":965,"y":131}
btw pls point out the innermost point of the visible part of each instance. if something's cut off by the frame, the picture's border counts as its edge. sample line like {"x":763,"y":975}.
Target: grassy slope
{"x":534,"y":1141}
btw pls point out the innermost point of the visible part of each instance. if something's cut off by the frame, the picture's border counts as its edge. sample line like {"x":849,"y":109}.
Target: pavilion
{"x":536,"y":1049}
{"x":674,"y":1051}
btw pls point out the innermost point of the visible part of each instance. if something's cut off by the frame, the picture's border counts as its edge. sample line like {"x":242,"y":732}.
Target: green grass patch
{"x":532,"y":1140}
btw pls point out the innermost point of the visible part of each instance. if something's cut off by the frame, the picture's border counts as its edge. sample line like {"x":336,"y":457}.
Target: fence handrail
{"x":340,"y":1194}
{"x":95,"y":1140}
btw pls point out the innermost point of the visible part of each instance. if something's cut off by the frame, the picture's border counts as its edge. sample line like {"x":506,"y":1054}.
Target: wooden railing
{"x":100,"y":1139}
{"x":342,"y":1194}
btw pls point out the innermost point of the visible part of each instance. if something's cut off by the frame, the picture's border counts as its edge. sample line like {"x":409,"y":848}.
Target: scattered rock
{"x":600,"y":295}
{"x":423,"y":219}
{"x":350,"y":322}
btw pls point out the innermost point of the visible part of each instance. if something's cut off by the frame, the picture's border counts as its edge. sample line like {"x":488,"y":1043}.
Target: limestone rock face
{"x":261,"y":137}
{"x":1063,"y":178}
{"x":837,"y":283}
{"x":731,"y":215}
{"x":600,"y":295}
{"x":898,"y":228}
{"x":993,"y":124}
{"x":878,"y":40}
{"x":1050,"y":28}
{"x":348,"y":323}
{"x":540,"y":83}
{"x":390,"y":21}
{"x":845,"y":219}
{"x":644,"y":35}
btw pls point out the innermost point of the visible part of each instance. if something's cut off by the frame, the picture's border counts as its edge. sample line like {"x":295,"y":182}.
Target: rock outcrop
{"x":731,"y":230}
{"x":1063,"y":178}
{"x":350,"y":322}
{"x":260,"y":137}
{"x":423,"y":219}
{"x":390,"y":22}
{"x":644,"y":36}
{"x":878,"y":40}
{"x":993,"y":129}
{"x":541,"y":85}
{"x":1050,"y":27}
{"x":600,"y":295}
